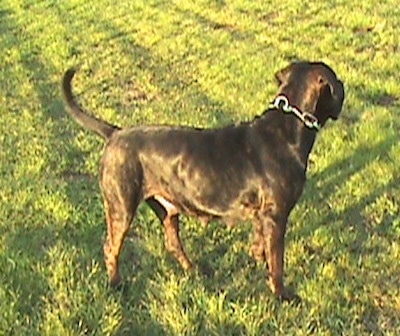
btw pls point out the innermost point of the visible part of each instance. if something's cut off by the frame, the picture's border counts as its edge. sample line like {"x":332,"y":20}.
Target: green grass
{"x":202,"y":63}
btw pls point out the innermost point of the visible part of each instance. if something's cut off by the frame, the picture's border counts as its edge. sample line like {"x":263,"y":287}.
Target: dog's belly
{"x":203,"y":216}
{"x":247,"y":205}
{"x":174,"y":207}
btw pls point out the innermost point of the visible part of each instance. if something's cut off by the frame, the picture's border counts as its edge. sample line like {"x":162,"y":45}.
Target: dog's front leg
{"x":274,"y":235}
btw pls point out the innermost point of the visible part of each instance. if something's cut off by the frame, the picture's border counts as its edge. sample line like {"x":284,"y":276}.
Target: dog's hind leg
{"x":118,"y":221}
{"x":121,"y":192}
{"x":169,"y":216}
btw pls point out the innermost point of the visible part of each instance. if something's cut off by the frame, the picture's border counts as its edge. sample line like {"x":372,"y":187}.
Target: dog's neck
{"x":292,"y":130}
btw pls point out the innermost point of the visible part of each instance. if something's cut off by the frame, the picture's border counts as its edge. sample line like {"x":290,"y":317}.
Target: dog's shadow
{"x":322,"y":186}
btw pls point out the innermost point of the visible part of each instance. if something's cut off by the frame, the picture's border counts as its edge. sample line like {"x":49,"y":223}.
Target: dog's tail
{"x":101,"y":127}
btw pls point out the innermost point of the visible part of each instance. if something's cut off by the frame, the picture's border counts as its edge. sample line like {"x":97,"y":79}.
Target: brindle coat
{"x":254,"y":170}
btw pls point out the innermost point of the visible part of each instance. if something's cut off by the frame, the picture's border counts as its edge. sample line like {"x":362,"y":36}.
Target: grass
{"x":203,"y":63}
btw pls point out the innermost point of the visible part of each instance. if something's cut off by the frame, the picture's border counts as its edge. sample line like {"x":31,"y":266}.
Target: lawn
{"x":205,"y":64}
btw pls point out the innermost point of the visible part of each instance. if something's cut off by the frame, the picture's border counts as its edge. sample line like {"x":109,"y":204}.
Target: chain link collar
{"x":308,"y":119}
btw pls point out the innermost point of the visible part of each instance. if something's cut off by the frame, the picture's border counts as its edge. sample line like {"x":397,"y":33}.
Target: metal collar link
{"x":282,"y":103}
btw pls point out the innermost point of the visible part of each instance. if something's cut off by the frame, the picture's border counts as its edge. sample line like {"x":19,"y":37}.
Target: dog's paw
{"x":115,"y":281}
{"x":117,"y":287}
{"x":288,"y":295}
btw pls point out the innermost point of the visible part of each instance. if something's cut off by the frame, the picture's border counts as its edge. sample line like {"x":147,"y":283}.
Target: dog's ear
{"x":331,"y":96}
{"x":282,"y":76}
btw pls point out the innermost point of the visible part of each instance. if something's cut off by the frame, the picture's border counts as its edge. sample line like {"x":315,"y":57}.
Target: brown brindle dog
{"x":254,"y":170}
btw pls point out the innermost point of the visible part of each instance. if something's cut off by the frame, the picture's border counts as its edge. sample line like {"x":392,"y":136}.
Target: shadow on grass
{"x":39,"y":74}
{"x":4,"y":13}
{"x":325,"y":183}
{"x":208,"y":23}
{"x":169,"y":77}
{"x":376,"y":96}
{"x":320,"y":188}
{"x":24,"y":248}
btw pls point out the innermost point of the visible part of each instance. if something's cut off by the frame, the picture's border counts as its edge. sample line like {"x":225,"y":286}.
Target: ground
{"x":200,"y":63}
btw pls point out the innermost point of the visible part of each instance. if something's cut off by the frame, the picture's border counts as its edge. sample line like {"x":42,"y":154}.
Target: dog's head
{"x":312,"y":87}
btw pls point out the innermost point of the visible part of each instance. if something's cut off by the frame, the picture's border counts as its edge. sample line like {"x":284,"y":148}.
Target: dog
{"x":253,"y":170}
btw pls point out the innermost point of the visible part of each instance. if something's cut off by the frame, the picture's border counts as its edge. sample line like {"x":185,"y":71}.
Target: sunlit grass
{"x":203,"y":63}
